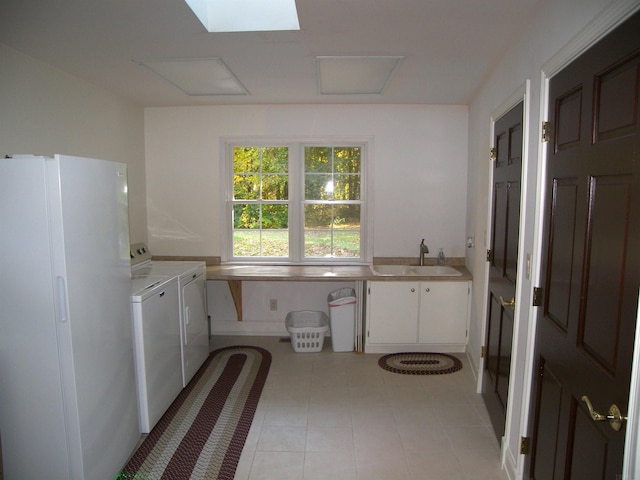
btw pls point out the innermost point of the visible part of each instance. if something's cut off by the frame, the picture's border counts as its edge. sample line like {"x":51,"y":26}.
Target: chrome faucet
{"x":423,"y":251}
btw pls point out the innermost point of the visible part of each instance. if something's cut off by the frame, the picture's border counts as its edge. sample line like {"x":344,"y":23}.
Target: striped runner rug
{"x":202,"y":434}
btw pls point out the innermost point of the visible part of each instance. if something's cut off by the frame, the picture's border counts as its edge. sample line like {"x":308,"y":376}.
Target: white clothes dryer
{"x":193,"y":317}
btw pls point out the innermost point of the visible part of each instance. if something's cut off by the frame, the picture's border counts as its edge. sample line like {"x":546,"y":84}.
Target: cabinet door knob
{"x":427,"y":289}
{"x":413,"y":289}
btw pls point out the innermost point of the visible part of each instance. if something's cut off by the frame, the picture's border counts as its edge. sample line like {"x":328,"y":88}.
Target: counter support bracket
{"x":235,"y":287}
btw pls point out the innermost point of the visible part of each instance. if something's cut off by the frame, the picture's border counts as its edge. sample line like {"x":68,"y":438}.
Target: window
{"x":297,"y":203}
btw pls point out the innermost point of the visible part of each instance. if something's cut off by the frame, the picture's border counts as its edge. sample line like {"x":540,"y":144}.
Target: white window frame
{"x":296,"y":199}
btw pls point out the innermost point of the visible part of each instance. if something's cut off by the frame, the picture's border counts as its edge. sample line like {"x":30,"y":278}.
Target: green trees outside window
{"x":331,"y":203}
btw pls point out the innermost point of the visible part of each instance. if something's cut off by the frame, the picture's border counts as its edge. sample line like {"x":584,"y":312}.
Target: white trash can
{"x":342,"y":316}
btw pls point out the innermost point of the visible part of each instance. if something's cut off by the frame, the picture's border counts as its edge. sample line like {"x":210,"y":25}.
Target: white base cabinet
{"x":428,"y":316}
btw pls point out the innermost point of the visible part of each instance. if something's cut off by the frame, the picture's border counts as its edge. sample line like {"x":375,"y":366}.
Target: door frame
{"x":609,"y":19}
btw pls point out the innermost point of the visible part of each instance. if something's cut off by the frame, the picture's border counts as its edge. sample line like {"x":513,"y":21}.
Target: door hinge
{"x":489,"y":255}
{"x":483,"y":352}
{"x":538,"y":296}
{"x":493,"y":154}
{"x":546,"y":132}
{"x":525,"y":445}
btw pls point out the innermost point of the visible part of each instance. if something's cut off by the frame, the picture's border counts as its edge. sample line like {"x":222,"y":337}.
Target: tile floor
{"x":339,"y":416}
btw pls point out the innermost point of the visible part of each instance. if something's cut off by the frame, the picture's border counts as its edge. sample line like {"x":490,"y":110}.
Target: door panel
{"x":588,"y":446}
{"x":561,"y":295}
{"x":586,"y":326}
{"x":503,"y":264}
{"x":550,"y":394}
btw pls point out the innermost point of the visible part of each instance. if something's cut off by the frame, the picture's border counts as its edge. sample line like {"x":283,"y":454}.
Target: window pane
{"x":347,"y":159}
{"x":275,"y":243}
{"x":246,"y":230}
{"x":275,"y":217}
{"x":317,"y":159}
{"x":346,"y":231}
{"x":275,"y":160}
{"x":318,"y":186}
{"x":332,"y":231}
{"x":246,"y":187}
{"x":346,"y":187}
{"x":275,"y":187}
{"x":346,"y":243}
{"x":260,"y":230}
{"x":317,"y":243}
{"x":246,"y":159}
{"x":246,"y":216}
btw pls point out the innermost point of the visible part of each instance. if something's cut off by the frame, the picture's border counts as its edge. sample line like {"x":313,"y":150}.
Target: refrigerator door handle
{"x":63,"y":311}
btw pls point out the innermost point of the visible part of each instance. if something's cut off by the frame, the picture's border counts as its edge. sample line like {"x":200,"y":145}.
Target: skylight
{"x":246,"y":15}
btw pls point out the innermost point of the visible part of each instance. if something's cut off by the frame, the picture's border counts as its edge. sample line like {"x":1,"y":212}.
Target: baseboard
{"x":249,"y":328}
{"x":509,"y":463}
{"x":399,"y":348}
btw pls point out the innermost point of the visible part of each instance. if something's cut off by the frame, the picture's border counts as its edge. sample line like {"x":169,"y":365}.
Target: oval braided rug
{"x":202,"y":434}
{"x":417,"y":363}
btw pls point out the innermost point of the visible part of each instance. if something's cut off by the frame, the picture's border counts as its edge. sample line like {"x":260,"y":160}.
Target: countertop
{"x":314,"y":273}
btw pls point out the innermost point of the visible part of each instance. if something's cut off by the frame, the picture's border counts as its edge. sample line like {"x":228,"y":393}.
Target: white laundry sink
{"x":415,"y":270}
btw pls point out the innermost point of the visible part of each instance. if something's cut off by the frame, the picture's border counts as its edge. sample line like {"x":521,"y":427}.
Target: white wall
{"x":257,"y":318}
{"x":44,"y":111}
{"x":418,"y":153}
{"x":555,"y":27}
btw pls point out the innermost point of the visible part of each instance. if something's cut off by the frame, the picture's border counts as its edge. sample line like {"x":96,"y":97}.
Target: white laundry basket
{"x":308,"y":329}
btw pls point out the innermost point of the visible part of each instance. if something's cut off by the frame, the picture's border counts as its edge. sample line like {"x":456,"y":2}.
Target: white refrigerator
{"x":67,"y":389}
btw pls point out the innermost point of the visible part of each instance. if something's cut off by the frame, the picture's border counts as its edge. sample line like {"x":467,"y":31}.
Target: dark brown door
{"x":590,"y":264}
{"x":503,"y":259}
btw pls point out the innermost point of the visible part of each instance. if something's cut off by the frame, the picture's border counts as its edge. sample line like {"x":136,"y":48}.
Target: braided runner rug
{"x":202,"y":434}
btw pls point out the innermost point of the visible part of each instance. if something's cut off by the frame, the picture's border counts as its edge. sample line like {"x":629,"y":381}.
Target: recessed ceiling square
{"x":197,"y":76}
{"x":246,"y":15}
{"x":349,"y":75}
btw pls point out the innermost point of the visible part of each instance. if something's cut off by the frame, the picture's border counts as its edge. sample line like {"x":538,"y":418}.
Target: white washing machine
{"x":193,"y":318}
{"x":156,"y":332}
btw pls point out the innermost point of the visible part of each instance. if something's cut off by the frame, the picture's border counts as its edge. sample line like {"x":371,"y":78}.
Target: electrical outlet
{"x":273,"y":304}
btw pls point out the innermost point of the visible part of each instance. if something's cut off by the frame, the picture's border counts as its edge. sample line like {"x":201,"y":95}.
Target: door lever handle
{"x":614,"y":417}
{"x":506,"y":304}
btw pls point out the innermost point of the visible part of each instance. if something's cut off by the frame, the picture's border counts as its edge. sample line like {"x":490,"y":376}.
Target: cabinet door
{"x":393,"y":312}
{"x":444,"y":310}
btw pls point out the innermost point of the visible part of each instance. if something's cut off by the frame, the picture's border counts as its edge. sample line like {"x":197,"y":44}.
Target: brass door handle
{"x":614,"y":417}
{"x":511,"y":303}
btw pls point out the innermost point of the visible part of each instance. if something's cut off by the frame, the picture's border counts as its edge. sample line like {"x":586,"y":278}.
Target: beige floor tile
{"x":330,"y":466}
{"x":373,"y":417}
{"x":277,"y":466}
{"x":381,"y":464}
{"x":439,"y":463}
{"x":472,"y":438}
{"x":282,"y":439}
{"x":480,"y":464}
{"x":329,"y":439}
{"x":286,"y":414}
{"x":370,"y":439}
{"x":329,"y":414}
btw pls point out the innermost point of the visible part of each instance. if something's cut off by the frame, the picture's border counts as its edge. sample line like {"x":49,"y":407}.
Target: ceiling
{"x":449,"y":46}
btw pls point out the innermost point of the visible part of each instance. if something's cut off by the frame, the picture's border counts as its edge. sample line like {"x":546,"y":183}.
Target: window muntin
{"x":300,"y":203}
